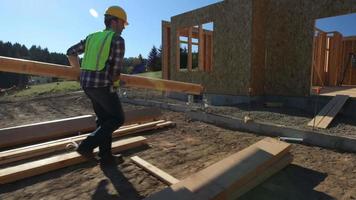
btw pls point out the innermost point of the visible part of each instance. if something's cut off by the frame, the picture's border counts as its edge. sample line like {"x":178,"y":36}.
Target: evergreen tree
{"x":17,"y":50}
{"x":153,"y":60}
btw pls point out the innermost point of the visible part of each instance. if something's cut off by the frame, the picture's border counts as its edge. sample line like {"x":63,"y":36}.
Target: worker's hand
{"x":119,"y":83}
{"x":74,"y":61}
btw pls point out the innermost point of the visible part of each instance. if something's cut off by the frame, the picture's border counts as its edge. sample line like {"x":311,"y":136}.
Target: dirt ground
{"x":181,"y":151}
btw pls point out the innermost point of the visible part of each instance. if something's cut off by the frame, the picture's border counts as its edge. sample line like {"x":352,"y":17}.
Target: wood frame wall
{"x":205,"y":48}
{"x":330,"y":57}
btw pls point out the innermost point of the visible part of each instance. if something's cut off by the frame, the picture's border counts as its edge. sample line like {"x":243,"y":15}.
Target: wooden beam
{"x":222,"y":179}
{"x":163,"y":176}
{"x":334,"y":111}
{"x":38,"y":132}
{"x":190,"y":55}
{"x":59,"y":145}
{"x":257,"y":180}
{"x":327,"y":114}
{"x":177,"y":61}
{"x":47,"y":69}
{"x":195,"y":32}
{"x":185,"y":42}
{"x":166,"y":33}
{"x":163,"y":85}
{"x":33,"y":168}
{"x":201,"y":48}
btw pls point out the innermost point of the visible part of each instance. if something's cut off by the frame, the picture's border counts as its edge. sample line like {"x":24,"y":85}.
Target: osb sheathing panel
{"x":289,"y":40}
{"x":258,"y":46}
{"x":232,"y":46}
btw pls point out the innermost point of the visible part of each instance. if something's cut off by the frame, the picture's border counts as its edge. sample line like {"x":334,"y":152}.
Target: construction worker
{"x":100,"y":68}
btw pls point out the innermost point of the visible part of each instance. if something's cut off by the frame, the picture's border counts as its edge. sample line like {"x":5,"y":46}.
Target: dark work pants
{"x":109,"y":117}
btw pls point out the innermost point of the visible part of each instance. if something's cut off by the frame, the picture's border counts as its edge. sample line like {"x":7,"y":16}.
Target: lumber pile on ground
{"x":58,"y":145}
{"x":43,"y":131}
{"x":22,"y":66}
{"x":328,"y":113}
{"x":41,"y":166}
{"x":27,"y":169}
{"x":233,"y":176}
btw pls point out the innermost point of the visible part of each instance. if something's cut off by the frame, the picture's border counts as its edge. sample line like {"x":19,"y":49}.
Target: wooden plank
{"x":46,"y":69}
{"x":43,"y":131}
{"x":163,"y":176}
{"x":341,"y":100}
{"x":326,"y":109}
{"x":166,"y":31}
{"x":201,"y":48}
{"x":190,"y":55}
{"x":257,"y":180}
{"x":59,"y":145}
{"x":329,"y":112}
{"x":162,"y":85}
{"x":185,"y":42}
{"x":177,"y":51}
{"x":33,"y":168}
{"x":219,"y":180}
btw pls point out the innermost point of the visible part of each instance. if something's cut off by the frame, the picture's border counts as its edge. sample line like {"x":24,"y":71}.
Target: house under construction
{"x":258,"y":48}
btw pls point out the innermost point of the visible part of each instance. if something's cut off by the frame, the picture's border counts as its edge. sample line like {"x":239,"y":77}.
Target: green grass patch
{"x":157,"y":74}
{"x":44,"y":89}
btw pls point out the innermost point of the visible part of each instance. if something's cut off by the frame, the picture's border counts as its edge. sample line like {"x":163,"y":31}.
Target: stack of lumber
{"x":233,"y":176}
{"x":10,"y":171}
{"x":49,"y":130}
{"x":328,"y":113}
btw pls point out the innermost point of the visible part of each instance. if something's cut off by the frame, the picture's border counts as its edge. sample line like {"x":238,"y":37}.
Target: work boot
{"x":86,"y":153}
{"x":111,"y":159}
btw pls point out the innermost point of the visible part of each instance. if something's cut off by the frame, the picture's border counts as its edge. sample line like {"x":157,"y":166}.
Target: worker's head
{"x":115,"y":18}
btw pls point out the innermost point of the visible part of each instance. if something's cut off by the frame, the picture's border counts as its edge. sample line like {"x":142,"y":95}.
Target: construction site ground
{"x":315,"y":173}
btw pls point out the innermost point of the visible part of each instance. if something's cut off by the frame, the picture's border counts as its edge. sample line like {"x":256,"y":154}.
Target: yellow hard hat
{"x":118,"y":12}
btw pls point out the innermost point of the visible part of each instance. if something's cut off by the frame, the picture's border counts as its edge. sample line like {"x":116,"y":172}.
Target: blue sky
{"x":345,"y":24}
{"x":58,"y":24}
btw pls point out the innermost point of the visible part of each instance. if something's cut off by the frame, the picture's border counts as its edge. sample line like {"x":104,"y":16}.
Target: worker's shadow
{"x":292,"y":183}
{"x":124,"y":189}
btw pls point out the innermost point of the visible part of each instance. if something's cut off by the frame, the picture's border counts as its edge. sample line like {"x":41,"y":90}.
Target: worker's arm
{"x":119,"y":52}
{"x":73,"y":53}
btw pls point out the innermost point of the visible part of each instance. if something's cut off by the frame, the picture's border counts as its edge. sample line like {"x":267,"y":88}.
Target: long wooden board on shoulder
{"x":22,"y":66}
{"x":45,"y":131}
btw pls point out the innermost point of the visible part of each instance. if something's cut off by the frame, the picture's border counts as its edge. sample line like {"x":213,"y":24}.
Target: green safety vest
{"x":97,"y":49}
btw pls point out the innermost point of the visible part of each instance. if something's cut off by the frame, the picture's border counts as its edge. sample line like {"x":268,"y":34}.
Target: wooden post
{"x":190,"y":57}
{"x":166,"y":30}
{"x":178,"y":50}
{"x":201,"y":48}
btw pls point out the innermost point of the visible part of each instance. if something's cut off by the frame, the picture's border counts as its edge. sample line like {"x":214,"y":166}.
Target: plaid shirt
{"x":106,"y":77}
